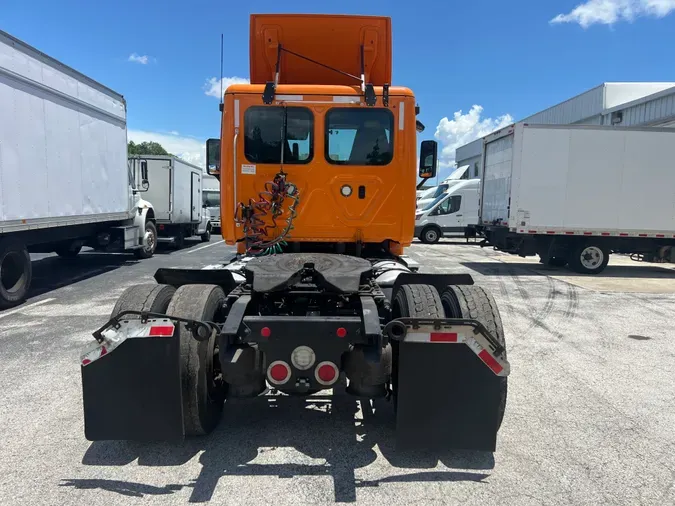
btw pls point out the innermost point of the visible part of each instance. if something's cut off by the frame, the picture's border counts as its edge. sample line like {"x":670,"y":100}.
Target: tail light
{"x":326,"y":373}
{"x":278,"y":372}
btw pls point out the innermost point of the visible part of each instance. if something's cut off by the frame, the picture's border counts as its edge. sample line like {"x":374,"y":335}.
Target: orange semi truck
{"x":317,"y":194}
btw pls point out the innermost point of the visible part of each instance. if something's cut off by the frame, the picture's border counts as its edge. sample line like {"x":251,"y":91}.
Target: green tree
{"x":146,"y":148}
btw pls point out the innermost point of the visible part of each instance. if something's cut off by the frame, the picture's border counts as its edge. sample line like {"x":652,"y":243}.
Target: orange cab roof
{"x":333,"y":40}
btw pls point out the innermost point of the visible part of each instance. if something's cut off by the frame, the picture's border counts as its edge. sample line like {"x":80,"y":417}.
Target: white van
{"x":449,"y":214}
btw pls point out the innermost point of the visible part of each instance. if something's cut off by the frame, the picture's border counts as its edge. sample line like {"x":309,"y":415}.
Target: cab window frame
{"x":358,"y":110}
{"x":311,"y":136}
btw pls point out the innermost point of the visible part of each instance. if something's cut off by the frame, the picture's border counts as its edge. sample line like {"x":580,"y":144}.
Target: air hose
{"x":254,"y":216}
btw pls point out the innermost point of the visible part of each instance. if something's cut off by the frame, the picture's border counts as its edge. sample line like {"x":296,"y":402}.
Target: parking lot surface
{"x":589,"y":418}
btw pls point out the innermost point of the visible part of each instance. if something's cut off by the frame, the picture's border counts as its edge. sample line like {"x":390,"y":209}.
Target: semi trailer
{"x":64,"y":179}
{"x":317,"y":194}
{"x":175,"y":189}
{"x":574,"y":194}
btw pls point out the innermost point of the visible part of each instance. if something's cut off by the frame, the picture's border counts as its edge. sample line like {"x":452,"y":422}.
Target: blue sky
{"x":507,"y":58}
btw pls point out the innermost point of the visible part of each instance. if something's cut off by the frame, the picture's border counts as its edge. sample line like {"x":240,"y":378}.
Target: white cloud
{"x":212,"y":85}
{"x":464,"y":128}
{"x":136,"y":58}
{"x":608,"y":12}
{"x":190,"y":149}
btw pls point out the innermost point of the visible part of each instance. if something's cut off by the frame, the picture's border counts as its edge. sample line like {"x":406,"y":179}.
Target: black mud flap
{"x":448,"y":399}
{"x":134,"y":392}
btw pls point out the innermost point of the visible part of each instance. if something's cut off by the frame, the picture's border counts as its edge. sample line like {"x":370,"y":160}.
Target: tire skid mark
{"x":572,"y":302}
{"x":538,"y":318}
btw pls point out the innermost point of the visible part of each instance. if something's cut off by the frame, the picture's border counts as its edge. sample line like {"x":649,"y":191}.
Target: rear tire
{"x":206,"y":236}
{"x":413,"y":301}
{"x":68,"y":251}
{"x":474,"y":303}
{"x":589,"y":258}
{"x":16,"y":273}
{"x":152,"y":298}
{"x":202,"y":385}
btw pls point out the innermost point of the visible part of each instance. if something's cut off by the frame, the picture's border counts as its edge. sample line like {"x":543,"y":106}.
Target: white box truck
{"x":64,"y":179}
{"x":575,"y":194}
{"x":211,"y":200}
{"x":175,"y":190}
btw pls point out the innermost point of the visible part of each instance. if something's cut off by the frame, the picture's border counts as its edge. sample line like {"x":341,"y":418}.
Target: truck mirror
{"x":144,"y":175}
{"x":428,"y":159}
{"x":213,"y":156}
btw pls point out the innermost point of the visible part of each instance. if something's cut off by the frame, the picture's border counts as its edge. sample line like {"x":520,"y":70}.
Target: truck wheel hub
{"x":591,"y":257}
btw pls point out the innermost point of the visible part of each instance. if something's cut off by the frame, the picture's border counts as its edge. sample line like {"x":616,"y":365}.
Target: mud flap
{"x":447,"y":398}
{"x":134,"y":392}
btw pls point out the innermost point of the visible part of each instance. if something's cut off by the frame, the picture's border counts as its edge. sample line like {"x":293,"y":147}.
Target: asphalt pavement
{"x":589,"y":418}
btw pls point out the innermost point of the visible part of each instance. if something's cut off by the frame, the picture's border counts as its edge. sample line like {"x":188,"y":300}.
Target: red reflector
{"x":604,"y":233}
{"x":623,"y":234}
{"x":588,"y":233}
{"x":490,"y":361}
{"x":341,"y":332}
{"x":103,"y":351}
{"x":265,"y":332}
{"x":161,"y":331}
{"x":86,"y":361}
{"x":660,"y":235}
{"x":550,"y":231}
{"x":326,"y":373}
{"x":278,"y":372}
{"x":531,"y":231}
{"x":569,"y":233}
{"x":443,"y":337}
{"x":641,"y":235}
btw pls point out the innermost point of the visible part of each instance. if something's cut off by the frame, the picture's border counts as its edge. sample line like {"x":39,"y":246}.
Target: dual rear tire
{"x":203,"y":391}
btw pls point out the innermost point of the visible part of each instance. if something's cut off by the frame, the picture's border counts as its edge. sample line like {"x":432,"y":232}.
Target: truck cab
{"x":346,"y":142}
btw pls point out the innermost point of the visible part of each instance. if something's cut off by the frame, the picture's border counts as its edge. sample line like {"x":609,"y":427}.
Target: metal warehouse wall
{"x":655,"y":110}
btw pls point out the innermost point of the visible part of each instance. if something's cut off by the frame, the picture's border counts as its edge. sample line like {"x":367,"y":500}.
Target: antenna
{"x":221,"y":71}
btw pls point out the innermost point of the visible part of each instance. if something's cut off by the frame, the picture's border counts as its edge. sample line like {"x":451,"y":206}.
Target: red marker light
{"x":265,"y":332}
{"x":341,"y":332}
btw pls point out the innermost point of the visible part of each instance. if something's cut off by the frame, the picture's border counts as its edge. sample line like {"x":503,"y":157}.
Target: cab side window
{"x":359,"y":136}
{"x":450,"y":206}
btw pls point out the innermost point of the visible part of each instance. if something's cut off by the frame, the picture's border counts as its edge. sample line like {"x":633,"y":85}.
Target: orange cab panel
{"x":353,"y":166}
{"x":332,"y":40}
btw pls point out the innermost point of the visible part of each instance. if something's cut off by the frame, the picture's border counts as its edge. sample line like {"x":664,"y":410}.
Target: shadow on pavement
{"x":537,"y":269}
{"x":320,"y":427}
{"x":54,"y":272}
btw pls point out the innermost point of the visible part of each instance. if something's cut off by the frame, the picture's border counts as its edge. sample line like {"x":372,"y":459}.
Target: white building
{"x":623,"y":104}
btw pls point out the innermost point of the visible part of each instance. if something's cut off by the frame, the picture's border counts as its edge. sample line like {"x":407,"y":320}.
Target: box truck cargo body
{"x":64,"y":179}
{"x":575,"y":194}
{"x":175,"y":189}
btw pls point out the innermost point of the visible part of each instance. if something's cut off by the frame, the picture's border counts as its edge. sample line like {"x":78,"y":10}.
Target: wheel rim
{"x":591,"y":257}
{"x":149,"y":240}
{"x":11,"y":273}
{"x":431,"y":235}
